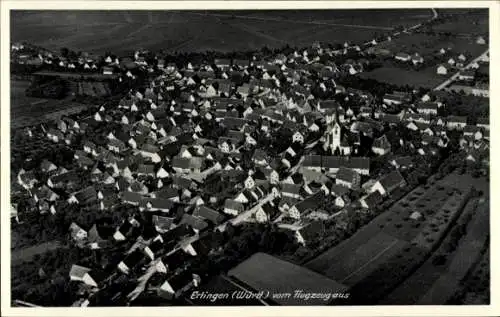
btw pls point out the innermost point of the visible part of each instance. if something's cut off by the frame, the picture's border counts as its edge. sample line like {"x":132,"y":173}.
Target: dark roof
{"x":392,"y":180}
{"x":232,"y":204}
{"x":347,"y":175}
{"x":403,"y":160}
{"x":86,"y":195}
{"x":337,"y":162}
{"x":382,"y":143}
{"x":208,"y":213}
{"x":180,"y":280}
{"x":175,"y":259}
{"x":164,"y":223}
{"x":457,"y":119}
{"x":373,"y":199}
{"x":194,"y":222}
{"x":132,"y":259}
{"x":310,"y":203}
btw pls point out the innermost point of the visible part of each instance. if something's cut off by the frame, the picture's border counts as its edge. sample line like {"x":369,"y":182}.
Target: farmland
{"x":460,"y":22}
{"x":392,"y":247}
{"x":422,"y":281}
{"x":426,"y":78}
{"x":124,"y":31}
{"x":264,"y":272}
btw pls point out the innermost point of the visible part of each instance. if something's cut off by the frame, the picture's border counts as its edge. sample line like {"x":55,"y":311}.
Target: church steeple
{"x":333,"y":135}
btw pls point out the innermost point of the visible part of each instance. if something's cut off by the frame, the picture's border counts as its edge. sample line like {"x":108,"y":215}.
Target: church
{"x":334,"y":141}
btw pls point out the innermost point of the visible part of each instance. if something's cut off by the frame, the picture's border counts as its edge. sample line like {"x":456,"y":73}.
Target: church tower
{"x":333,"y":135}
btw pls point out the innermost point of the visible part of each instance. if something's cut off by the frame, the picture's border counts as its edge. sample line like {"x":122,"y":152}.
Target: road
{"x":411,"y":28}
{"x":455,"y":76}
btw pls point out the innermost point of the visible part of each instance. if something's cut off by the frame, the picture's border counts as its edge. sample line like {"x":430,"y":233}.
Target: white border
{"x":483,"y":310}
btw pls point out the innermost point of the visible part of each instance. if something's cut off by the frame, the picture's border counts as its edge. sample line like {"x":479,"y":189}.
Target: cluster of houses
{"x":180,"y":151}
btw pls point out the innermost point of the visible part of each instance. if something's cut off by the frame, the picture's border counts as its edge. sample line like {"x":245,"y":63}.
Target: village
{"x":205,"y":147}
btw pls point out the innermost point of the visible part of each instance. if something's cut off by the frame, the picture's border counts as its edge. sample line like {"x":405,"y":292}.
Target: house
{"x":47,"y":166}
{"x":388,"y":183}
{"x":163,"y":224}
{"x":187,"y":165}
{"x":178,"y":284}
{"x":480,"y":40}
{"x":404,"y":57}
{"x":84,"y":196}
{"x":331,"y":164}
{"x":442,"y":70}
{"x":298,"y":137}
{"x":428,"y":108}
{"x":156,"y":204}
{"x":456,"y":122}
{"x":381,"y":145}
{"x":77,"y":233}
{"x":393,"y":99}
{"x":305,"y":206}
{"x":87,"y":276}
{"x":107,"y":70}
{"x":467,"y":75}
{"x":44,"y":193}
{"x":130,"y":261}
{"x":348,"y":178}
{"x":222,"y":63}
{"x":208,"y":214}
{"x":291,"y":190}
{"x":417,"y":59}
{"x":473,"y":131}
{"x":196,"y":223}
{"x":233,"y":207}
{"x":483,"y":122}
{"x":371,"y":200}
{"x":150,"y":151}
{"x":402,"y":162}
{"x":266,"y":212}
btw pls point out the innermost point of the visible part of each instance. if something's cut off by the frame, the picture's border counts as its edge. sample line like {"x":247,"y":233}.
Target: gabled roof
{"x":382,"y":143}
{"x":194,"y":222}
{"x":310,"y":203}
{"x":392,"y":180}
{"x":373,"y":199}
{"x":208,"y":213}
{"x":347,"y":175}
{"x":234,"y":205}
{"x":457,"y":119}
{"x":78,"y":271}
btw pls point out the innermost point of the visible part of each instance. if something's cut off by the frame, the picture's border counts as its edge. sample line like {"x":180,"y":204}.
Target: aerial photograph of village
{"x":249,"y":157}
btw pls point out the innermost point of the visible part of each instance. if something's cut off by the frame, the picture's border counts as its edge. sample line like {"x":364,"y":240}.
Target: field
{"x":461,"y":25}
{"x":26,"y":111}
{"x":26,"y":254}
{"x":428,"y":45}
{"x":124,"y":31}
{"x":426,"y":78}
{"x":419,"y":283}
{"x":392,"y":247}
{"x":264,"y":272}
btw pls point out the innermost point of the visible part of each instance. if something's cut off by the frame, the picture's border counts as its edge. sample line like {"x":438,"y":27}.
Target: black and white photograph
{"x":248,"y":157}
